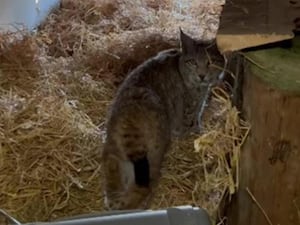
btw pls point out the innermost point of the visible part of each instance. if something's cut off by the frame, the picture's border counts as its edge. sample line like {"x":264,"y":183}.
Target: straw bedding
{"x":56,"y":86}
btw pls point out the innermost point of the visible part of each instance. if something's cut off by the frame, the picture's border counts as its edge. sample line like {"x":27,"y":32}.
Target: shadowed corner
{"x":142,"y":172}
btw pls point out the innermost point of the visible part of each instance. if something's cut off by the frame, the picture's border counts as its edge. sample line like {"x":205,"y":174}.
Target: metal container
{"x":182,"y":215}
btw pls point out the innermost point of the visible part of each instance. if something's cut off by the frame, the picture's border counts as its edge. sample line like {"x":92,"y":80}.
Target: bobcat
{"x":159,"y":99}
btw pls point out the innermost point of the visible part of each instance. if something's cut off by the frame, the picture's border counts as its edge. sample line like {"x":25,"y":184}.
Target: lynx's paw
{"x":116,"y":204}
{"x":134,"y":198}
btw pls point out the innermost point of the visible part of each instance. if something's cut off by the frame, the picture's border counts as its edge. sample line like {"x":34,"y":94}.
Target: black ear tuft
{"x":181,"y":32}
{"x":208,"y":43}
{"x":188,"y":45}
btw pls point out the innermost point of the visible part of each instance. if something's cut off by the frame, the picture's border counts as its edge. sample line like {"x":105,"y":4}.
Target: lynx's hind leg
{"x":125,"y":184}
{"x":118,"y":176}
{"x":136,"y":197}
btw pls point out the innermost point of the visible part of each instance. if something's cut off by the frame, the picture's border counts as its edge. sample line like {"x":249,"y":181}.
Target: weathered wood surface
{"x":259,"y":16}
{"x":269,"y":191}
{"x":248,"y":23}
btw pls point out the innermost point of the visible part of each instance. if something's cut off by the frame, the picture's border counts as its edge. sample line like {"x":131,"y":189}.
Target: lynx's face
{"x":195,"y":63}
{"x":194,"y":68}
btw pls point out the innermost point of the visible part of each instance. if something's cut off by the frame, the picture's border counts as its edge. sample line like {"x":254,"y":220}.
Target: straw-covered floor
{"x":56,"y":86}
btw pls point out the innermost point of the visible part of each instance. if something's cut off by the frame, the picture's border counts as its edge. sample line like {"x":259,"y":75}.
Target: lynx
{"x":158,"y":100}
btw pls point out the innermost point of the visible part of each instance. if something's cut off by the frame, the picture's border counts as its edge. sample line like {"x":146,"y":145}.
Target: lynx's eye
{"x":207,"y":63}
{"x":191,"y":62}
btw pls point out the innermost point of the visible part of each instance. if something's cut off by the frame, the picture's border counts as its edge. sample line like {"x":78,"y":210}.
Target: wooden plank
{"x":234,"y":42}
{"x":249,"y":23}
{"x":269,"y":184}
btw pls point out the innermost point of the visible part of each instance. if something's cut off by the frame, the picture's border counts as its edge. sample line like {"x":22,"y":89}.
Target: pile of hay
{"x":56,"y":86}
{"x":202,"y":170}
{"x":50,"y":147}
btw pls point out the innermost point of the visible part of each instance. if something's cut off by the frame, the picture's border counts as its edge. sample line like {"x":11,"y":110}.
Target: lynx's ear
{"x":188,"y":45}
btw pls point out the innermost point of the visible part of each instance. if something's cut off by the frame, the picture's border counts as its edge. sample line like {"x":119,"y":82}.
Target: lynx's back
{"x":149,"y":107}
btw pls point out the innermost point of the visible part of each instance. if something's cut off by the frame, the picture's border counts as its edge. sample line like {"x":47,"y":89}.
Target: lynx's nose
{"x":202,"y":76}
